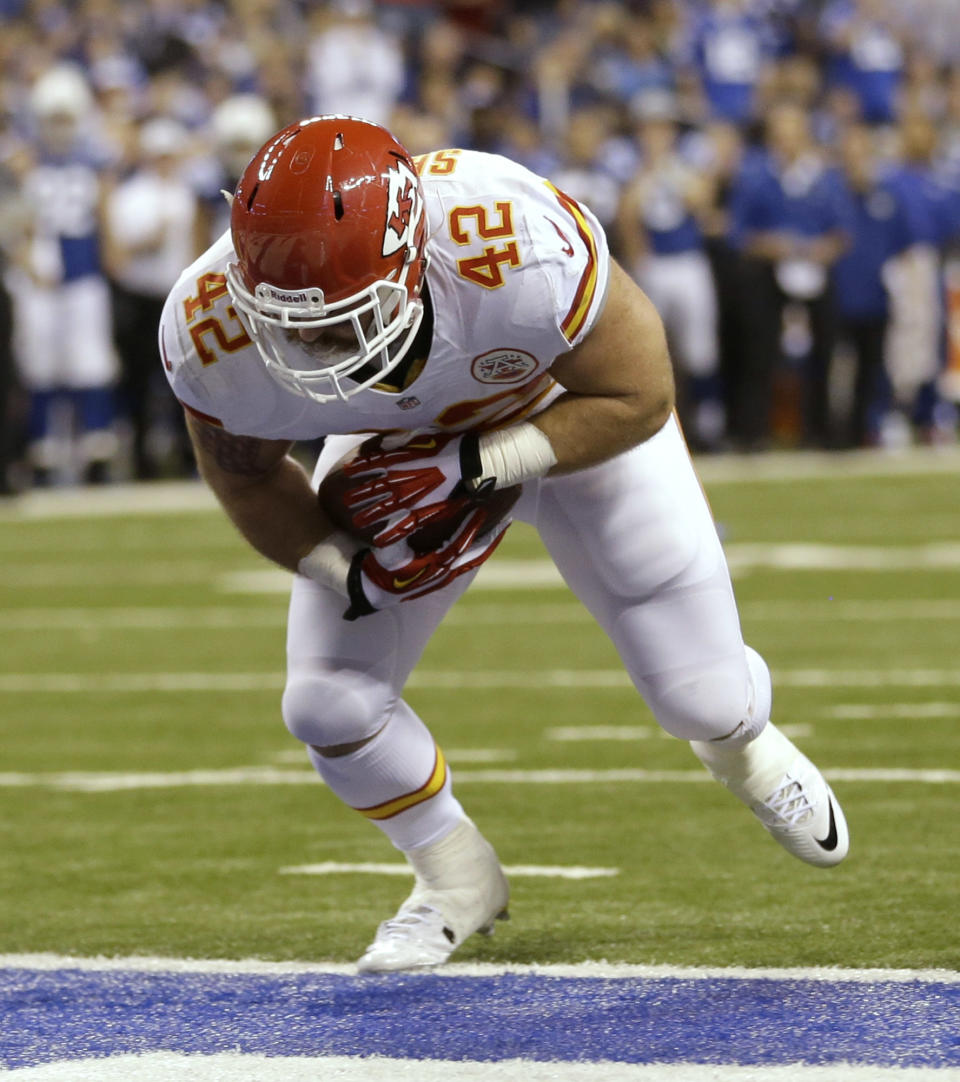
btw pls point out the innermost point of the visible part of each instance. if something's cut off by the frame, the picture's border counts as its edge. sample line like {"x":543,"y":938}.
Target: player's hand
{"x":381,"y":577}
{"x":397,"y":489}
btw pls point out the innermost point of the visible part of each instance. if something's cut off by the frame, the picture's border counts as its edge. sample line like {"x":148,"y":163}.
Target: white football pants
{"x":634,"y":539}
{"x":682,"y":290}
{"x":64,"y":334}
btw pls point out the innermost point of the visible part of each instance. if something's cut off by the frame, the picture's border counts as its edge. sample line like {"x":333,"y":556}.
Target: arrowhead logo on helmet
{"x":404,"y":208}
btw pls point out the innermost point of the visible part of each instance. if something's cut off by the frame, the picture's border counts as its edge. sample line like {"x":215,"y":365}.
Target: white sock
{"x":399,"y":780}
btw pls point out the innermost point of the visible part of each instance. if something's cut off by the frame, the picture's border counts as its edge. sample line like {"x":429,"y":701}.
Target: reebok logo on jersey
{"x":504,"y":366}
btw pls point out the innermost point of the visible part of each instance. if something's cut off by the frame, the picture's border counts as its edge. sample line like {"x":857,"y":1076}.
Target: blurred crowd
{"x":781,"y":176}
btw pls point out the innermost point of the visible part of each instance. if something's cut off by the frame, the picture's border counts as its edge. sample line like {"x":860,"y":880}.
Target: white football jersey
{"x":517,"y":276}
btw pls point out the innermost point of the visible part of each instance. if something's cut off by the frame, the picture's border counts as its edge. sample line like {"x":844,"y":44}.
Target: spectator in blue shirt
{"x":731,"y":51}
{"x":879,"y":231}
{"x":787,"y":219}
{"x":915,"y":342}
{"x":866,"y":55}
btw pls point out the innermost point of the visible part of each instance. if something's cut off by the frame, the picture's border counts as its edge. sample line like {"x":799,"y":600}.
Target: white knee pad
{"x":325,"y":708}
{"x":708,"y":704}
{"x":761,"y":694}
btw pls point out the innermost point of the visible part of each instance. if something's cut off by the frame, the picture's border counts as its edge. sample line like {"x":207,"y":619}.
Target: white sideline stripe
{"x":236,"y":1067}
{"x":454,"y":680}
{"x":544,"y":871}
{"x":602,"y":969}
{"x":76,"y":781}
{"x":466,"y":614}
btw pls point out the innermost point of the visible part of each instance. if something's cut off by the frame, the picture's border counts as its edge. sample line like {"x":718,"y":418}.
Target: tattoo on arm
{"x":233,"y":454}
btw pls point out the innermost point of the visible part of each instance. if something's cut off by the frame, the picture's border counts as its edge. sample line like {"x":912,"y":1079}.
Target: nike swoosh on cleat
{"x":830,"y":841}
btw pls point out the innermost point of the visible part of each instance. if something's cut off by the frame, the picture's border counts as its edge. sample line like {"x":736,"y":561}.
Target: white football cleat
{"x":785,"y":791}
{"x":460,"y":889}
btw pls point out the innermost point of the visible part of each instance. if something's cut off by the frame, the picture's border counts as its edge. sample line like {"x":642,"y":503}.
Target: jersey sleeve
{"x":576,"y":259}
{"x":180,"y":360}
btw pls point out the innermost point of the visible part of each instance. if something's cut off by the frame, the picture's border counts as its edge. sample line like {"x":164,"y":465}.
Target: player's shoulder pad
{"x":182,"y":364}
{"x":562,"y":238}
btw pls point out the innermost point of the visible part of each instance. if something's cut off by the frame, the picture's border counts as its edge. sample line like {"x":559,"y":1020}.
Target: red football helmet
{"x":329,"y":231}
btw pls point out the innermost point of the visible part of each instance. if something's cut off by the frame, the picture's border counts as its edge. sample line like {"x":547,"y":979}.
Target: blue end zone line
{"x":67,"y":1009}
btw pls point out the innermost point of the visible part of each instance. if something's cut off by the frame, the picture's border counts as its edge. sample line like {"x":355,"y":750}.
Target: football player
{"x":469,"y":313}
{"x":62,"y":312}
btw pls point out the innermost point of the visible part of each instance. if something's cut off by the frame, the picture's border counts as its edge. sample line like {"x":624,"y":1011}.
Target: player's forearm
{"x":584,"y":430}
{"x":276,"y":512}
{"x":265,"y":492}
{"x":618,"y":383}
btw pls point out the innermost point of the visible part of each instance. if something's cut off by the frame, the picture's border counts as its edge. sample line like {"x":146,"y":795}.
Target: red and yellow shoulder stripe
{"x":575,"y":319}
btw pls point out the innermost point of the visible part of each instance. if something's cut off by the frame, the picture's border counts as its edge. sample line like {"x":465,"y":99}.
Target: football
{"x":432,"y":534}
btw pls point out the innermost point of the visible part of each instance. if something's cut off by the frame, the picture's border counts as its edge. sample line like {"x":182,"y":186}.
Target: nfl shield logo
{"x":410,"y":402}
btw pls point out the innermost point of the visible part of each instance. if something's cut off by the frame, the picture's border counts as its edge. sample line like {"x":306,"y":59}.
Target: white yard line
{"x":141,"y":618}
{"x":503,"y":573}
{"x":454,"y":756}
{"x":572,"y":734}
{"x":542,"y":871}
{"x":827,"y":609}
{"x":105,"y":781}
{"x":237,"y":1067}
{"x":466,"y":614}
{"x":601,"y":970}
{"x":787,"y":466}
{"x":794,"y":556}
{"x":604,"y":970}
{"x":893,"y":711}
{"x":61,"y":683}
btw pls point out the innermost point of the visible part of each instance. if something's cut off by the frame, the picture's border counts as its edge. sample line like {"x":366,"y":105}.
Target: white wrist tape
{"x":516,"y":454}
{"x":329,"y":562}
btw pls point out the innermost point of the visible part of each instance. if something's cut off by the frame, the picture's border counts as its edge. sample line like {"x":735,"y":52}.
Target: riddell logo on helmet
{"x":404,"y":209}
{"x":289,"y":296}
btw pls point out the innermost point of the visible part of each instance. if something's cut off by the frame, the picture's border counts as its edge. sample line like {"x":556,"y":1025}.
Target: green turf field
{"x":131,"y":648}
